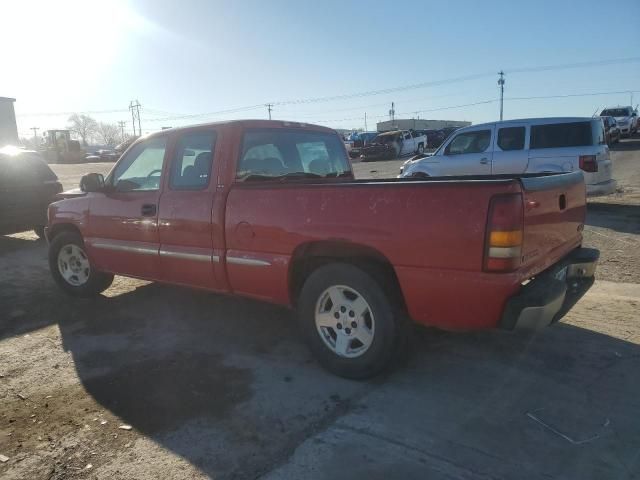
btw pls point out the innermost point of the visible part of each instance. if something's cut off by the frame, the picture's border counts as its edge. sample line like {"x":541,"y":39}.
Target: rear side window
{"x":276,"y":153}
{"x":191,"y":167}
{"x":511,"y":138}
{"x":558,"y":135}
{"x":469,"y":142}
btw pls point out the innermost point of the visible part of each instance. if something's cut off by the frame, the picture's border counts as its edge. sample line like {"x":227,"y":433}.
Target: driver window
{"x":469,"y":142}
{"x":141,"y":168}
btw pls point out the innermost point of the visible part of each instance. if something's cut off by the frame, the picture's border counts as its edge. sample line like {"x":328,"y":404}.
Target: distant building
{"x":418,"y":124}
{"x":8,"y":126}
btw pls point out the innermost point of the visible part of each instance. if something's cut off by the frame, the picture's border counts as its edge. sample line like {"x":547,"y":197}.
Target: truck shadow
{"x":618,"y":217}
{"x":227,"y":384}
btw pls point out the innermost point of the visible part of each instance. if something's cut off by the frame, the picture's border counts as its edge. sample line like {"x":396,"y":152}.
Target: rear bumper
{"x":549,"y":296}
{"x":604,"y":188}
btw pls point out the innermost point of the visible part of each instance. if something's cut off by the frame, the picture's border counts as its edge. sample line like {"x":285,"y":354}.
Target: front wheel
{"x":348,"y":321}
{"x":71,"y":268}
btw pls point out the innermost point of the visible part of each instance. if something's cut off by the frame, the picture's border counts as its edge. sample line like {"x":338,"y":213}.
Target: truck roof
{"x":248,"y":123}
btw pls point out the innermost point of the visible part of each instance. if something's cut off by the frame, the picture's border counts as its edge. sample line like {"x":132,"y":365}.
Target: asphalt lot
{"x":221,"y":387}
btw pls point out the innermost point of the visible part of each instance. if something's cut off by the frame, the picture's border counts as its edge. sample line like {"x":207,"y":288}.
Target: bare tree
{"x":84,"y":126}
{"x":108,"y":133}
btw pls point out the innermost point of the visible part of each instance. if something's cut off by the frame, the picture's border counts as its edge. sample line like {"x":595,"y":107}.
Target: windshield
{"x":616,"y":112}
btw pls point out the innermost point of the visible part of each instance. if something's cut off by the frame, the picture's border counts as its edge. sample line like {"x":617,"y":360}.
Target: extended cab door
{"x":466,"y":153}
{"x":186,"y":222}
{"x":122,"y":231}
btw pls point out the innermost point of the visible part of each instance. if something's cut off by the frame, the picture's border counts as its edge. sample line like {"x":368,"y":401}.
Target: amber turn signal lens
{"x":511,"y":238}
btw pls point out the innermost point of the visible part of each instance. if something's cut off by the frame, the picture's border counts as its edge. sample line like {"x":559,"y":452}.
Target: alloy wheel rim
{"x":344,"y":321}
{"x":73,"y":265}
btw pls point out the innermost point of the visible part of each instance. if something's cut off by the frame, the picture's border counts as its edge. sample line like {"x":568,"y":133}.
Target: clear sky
{"x":200,"y":56}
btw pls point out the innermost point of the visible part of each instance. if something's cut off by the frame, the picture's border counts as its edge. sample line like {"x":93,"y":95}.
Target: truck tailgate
{"x":554,"y":215}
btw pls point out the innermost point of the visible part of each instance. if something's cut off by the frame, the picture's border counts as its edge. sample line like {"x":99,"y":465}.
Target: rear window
{"x":574,"y":134}
{"x":277,"y":153}
{"x":24,"y":169}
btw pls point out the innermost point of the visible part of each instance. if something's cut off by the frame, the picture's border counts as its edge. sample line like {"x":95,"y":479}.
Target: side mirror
{"x":92,"y":182}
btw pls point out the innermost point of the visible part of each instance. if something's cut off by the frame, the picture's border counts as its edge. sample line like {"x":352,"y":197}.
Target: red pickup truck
{"x":271,"y":210}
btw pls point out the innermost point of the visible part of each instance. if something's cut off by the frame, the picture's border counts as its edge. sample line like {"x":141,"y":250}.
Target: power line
{"x":87,"y":112}
{"x":565,"y":66}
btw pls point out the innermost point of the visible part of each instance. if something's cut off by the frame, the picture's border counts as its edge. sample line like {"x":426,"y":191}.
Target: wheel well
{"x":311,"y":256}
{"x":58,"y":228}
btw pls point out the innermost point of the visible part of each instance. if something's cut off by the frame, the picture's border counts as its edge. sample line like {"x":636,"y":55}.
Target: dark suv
{"x":27,"y":187}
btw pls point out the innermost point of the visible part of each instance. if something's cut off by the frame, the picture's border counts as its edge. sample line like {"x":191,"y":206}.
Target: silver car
{"x":530,"y":145}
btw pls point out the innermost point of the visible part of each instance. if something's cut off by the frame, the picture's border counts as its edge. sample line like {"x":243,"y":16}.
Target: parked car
{"x":362,"y":139}
{"x":529,"y":145}
{"x":611,"y":130}
{"x":434,"y":138}
{"x":27,"y":186}
{"x":285,"y":221}
{"x":626,"y":119}
{"x":398,"y":143}
{"x":107,"y":155}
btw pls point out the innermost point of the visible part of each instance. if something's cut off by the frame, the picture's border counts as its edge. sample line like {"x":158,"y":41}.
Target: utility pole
{"x":365,"y":122}
{"x":135,"y":114}
{"x":35,"y":136}
{"x":501,"y":84}
{"x":121,"y":125}
{"x":269,"y":108}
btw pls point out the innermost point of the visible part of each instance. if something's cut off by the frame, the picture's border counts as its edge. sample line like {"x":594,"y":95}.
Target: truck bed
{"x":432,"y":232}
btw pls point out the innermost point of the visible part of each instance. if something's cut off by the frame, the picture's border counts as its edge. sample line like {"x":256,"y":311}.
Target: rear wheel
{"x":71,"y":268}
{"x":348,"y":321}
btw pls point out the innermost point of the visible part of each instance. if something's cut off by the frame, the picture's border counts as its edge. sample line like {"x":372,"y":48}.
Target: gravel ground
{"x":152,"y":381}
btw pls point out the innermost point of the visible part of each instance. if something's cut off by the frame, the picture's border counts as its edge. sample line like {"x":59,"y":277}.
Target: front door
{"x":123,"y":221}
{"x":467,"y":153}
{"x":186,"y":220}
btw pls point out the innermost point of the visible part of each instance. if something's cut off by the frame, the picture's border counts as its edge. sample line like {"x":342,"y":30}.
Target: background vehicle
{"x":611,"y":130}
{"x":527,"y":145}
{"x":27,"y":186}
{"x":394,"y":144}
{"x":362,"y":139}
{"x":284,"y":221}
{"x":59,"y":148}
{"x":626,"y":118}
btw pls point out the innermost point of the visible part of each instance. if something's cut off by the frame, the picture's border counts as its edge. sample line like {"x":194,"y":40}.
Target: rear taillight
{"x":588,"y":163}
{"x":503,"y":244}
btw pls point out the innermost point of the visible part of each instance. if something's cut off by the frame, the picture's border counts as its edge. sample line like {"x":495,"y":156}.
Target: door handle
{"x":148,"y":210}
{"x":484,"y":160}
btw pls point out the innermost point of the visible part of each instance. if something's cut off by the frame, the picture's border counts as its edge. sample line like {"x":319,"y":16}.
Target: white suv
{"x":626,"y":118}
{"x":531,"y":145}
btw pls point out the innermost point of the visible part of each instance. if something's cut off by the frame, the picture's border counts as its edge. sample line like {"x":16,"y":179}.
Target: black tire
{"x":388,"y":331}
{"x":97,"y":282}
{"x":39,"y":230}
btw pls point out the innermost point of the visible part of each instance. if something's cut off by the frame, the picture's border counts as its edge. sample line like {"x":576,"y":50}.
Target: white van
{"x":529,"y":145}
